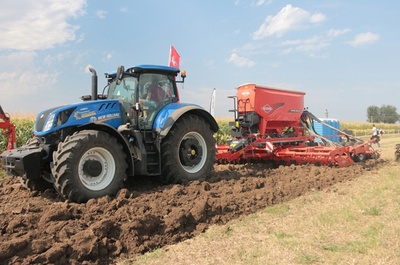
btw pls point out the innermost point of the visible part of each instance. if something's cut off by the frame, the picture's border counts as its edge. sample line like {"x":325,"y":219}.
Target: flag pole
{"x":170,"y":54}
{"x":212,"y":103}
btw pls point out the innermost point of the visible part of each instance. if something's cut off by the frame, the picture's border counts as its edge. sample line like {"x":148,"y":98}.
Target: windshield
{"x":124,"y":91}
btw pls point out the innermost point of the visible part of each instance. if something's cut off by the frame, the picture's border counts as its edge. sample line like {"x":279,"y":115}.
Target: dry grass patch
{"x":356,"y":222}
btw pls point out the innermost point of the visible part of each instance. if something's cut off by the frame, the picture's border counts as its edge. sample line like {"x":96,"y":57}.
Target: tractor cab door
{"x":125,"y":92}
{"x":155,"y":92}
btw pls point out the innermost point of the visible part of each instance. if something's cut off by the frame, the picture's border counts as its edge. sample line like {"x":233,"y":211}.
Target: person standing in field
{"x":375,"y":136}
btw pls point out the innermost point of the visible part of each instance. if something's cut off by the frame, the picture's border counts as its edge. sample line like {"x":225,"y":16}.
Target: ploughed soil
{"x":41,"y":228}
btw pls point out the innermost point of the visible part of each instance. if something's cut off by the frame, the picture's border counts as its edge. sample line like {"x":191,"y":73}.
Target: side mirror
{"x":120,"y":72}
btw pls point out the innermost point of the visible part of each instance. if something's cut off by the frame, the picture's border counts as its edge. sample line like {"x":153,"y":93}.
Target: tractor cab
{"x":143,"y":91}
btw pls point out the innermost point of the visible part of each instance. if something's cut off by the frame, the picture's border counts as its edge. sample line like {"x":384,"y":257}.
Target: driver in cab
{"x":153,"y":98}
{"x":155,"y":94}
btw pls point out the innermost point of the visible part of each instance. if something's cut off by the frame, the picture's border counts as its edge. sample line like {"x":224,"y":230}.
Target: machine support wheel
{"x":359,"y":157}
{"x":89,"y":164}
{"x":188,"y":151}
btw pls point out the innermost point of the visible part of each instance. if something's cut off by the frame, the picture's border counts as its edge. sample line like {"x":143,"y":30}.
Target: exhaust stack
{"x":94,"y":83}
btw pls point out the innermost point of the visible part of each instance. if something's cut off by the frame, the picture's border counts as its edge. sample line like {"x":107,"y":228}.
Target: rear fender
{"x":167,"y":117}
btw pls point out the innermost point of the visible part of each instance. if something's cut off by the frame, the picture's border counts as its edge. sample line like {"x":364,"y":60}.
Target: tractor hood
{"x":97,"y":111}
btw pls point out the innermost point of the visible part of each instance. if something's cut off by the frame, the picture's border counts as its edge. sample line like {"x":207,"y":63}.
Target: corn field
{"x":365,"y":128}
{"x":24,"y":130}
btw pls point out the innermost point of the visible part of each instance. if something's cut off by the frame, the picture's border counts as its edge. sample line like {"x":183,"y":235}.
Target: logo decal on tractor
{"x":267,"y":108}
{"x":83,"y":114}
{"x":245,"y":93}
{"x":108,"y":117}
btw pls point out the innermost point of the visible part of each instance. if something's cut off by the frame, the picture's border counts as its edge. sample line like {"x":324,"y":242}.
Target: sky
{"x":345,"y":55}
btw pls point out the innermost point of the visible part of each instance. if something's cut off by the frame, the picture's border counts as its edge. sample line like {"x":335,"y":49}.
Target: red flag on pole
{"x":173,"y":57}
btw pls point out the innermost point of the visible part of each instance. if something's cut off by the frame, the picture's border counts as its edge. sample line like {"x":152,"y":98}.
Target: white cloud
{"x":37,"y":25}
{"x":259,"y":2}
{"x":317,"y":18}
{"x":289,"y":18}
{"x":308,"y":46}
{"x":241,"y":61}
{"x":337,"y":32}
{"x":101,"y":14}
{"x":16,"y":60}
{"x":108,"y":57}
{"x":209,"y":63}
{"x":313,"y":44}
{"x":19,"y":75}
{"x":364,"y":38}
{"x":262,"y":2}
{"x":51,"y":60}
{"x":311,"y":40}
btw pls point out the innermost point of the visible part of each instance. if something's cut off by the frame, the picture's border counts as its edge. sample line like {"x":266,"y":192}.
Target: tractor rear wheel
{"x":188,"y":151}
{"x":89,"y":164}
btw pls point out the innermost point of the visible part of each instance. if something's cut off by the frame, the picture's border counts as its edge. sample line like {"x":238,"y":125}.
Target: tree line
{"x":384,"y":114}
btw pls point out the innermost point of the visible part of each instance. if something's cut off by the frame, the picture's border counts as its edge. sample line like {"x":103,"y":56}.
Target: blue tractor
{"x":136,"y":126}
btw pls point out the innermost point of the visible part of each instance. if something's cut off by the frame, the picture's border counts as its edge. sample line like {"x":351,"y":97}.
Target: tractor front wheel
{"x":188,"y":151}
{"x":89,"y":164}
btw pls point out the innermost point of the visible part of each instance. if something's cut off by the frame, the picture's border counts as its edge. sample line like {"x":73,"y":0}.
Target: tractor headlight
{"x":49,"y":122}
